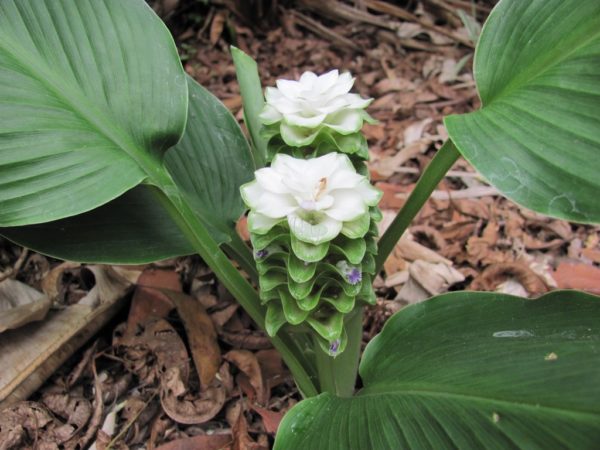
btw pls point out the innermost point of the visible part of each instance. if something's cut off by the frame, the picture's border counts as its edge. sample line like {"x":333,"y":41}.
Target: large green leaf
{"x":91,"y":94}
{"x":132,"y":229}
{"x":468,"y":371}
{"x":209,"y":164}
{"x":537,"y":137}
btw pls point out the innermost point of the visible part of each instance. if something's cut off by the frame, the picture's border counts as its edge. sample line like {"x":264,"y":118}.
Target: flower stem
{"x":243,"y":255}
{"x":433,"y":174}
{"x":338,"y":375}
{"x":232,"y":279}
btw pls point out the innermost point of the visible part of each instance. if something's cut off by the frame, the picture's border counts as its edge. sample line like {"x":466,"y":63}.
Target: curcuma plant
{"x":109,"y":153}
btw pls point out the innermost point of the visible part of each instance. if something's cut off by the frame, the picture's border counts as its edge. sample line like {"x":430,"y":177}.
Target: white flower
{"x":306,"y":106}
{"x":319,"y":197}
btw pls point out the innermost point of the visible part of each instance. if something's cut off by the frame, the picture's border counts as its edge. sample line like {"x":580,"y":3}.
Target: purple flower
{"x":334,"y":346}
{"x":260,"y":254}
{"x":354,"y":276}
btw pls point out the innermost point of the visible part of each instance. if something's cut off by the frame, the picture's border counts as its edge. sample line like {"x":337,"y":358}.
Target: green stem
{"x":232,"y":279}
{"x":433,"y":174}
{"x":243,"y":255}
{"x":338,"y":375}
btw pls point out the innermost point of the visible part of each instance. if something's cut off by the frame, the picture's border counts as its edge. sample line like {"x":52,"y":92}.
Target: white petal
{"x":324,"y":202}
{"x":343,"y":85}
{"x":283,"y":162}
{"x":324,"y":231}
{"x":289,"y":88}
{"x":369,"y":193}
{"x":270,"y":115}
{"x":251,"y":193}
{"x":273,"y":95}
{"x":270,"y":180}
{"x":300,"y":121}
{"x":287,"y":106}
{"x":345,"y":122}
{"x":259,"y":224}
{"x":297,"y":136}
{"x":344,"y":179}
{"x":323,"y":166}
{"x":307,"y":80}
{"x":332,"y":106}
{"x":355,"y":101}
{"x":348,"y":205}
{"x":326,"y":81}
{"x":276,"y":205}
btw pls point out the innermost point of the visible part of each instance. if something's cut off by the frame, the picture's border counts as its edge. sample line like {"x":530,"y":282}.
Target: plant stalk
{"x":338,"y":375}
{"x":243,"y":255}
{"x":433,"y":174}
{"x":232,"y":279}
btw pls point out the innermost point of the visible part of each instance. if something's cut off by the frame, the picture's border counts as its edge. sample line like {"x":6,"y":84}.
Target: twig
{"x":445,"y":6}
{"x":449,"y":174}
{"x":325,"y":32}
{"x":14,"y":270}
{"x":128,"y":425}
{"x":401,"y":13}
{"x":470,"y":4}
{"x":473,"y":192}
{"x":96,"y":419}
{"x":341,"y":12}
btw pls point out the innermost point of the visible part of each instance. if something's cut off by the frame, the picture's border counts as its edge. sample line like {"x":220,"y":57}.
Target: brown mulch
{"x":189,"y":370}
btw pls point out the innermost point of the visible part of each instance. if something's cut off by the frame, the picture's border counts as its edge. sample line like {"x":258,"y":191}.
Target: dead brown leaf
{"x":202,"y":442}
{"x":270,"y":419}
{"x":201,"y":334}
{"x":272,"y":368}
{"x":184,"y":407}
{"x":573,"y":275}
{"x":498,"y":273}
{"x":20,"y":305}
{"x":248,"y":363}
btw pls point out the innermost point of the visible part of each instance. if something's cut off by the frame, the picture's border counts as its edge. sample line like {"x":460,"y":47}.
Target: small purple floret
{"x":260,"y":254}
{"x":334,"y":346}
{"x":354,"y":276}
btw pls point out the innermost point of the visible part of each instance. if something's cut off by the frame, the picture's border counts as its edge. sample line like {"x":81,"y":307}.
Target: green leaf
{"x":536,"y":138}
{"x":211,"y":162}
{"x":135,"y":228}
{"x":132,"y":229}
{"x":252,"y":100}
{"x":91,"y":95}
{"x":468,"y":370}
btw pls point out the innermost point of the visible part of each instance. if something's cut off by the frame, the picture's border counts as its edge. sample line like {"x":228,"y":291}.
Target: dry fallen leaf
{"x":428,"y":279}
{"x":202,"y":442}
{"x":271,"y":419}
{"x":573,"y":275}
{"x":20,"y":304}
{"x":248,"y":363}
{"x":201,"y":334}
{"x":185,"y":407}
{"x":496,"y":274}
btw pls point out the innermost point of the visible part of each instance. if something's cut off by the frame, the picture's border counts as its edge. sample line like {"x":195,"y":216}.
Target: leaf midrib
{"x":395,"y":389}
{"x":108,"y":128}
